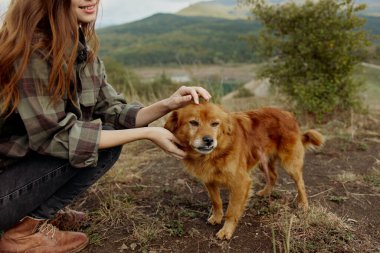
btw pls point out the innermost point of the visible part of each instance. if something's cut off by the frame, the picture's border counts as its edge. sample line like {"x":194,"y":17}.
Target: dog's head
{"x":201,"y":128}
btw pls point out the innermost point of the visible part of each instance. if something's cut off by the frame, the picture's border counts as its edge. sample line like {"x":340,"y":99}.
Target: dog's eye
{"x":194,"y":123}
{"x":215,"y":124}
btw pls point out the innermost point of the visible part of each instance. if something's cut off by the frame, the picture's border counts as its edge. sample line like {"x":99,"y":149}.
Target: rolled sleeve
{"x":128,"y":115}
{"x":83,"y":143}
{"x":112,"y":107}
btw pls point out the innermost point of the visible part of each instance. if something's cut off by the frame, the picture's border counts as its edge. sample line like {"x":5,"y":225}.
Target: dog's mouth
{"x":204,"y":145}
{"x":204,"y":149}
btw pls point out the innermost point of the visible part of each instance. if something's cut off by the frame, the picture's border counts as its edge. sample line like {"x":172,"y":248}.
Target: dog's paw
{"x":263,"y":193}
{"x":227,"y":230}
{"x":215,"y":219}
{"x":303,"y":206}
{"x":224,"y":234}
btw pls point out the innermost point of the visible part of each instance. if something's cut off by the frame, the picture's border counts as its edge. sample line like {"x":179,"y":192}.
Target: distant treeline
{"x":172,"y":39}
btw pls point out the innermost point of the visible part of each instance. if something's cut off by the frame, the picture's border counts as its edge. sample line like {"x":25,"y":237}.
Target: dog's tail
{"x":312,"y":139}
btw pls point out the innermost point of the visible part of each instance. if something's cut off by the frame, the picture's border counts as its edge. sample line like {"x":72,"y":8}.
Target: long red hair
{"x":48,"y":25}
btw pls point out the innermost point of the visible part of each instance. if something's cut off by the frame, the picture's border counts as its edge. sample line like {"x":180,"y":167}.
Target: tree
{"x":314,"y":48}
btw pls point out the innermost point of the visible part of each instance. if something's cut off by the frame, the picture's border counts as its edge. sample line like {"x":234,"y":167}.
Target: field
{"x":148,"y":203}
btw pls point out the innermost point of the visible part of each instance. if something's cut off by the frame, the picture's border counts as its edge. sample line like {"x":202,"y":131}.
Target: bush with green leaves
{"x":313,"y":48}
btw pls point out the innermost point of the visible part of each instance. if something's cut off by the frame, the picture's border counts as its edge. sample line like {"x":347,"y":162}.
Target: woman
{"x":62,"y":125}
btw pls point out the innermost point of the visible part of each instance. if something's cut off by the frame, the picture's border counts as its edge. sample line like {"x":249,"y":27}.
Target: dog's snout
{"x":208,"y":140}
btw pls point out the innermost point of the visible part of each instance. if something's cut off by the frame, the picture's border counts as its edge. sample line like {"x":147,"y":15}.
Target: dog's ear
{"x":227,"y":126}
{"x":172,"y":122}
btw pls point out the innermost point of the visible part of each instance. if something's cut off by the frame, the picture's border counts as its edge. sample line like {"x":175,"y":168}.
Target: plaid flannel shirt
{"x":64,"y":130}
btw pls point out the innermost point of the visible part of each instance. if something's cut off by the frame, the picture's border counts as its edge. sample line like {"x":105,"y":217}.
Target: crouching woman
{"x":61,"y":125}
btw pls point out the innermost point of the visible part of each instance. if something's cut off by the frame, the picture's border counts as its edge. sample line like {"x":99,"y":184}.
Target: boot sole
{"x":84,"y":245}
{"x":81,"y":247}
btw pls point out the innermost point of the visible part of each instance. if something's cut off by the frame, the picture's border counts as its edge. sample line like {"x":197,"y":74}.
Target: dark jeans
{"x":39,"y":186}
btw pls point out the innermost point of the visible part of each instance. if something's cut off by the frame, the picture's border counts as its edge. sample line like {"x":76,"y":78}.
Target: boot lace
{"x":47,"y":229}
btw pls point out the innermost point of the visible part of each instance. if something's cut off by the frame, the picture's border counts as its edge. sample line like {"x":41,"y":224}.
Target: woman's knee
{"x":108,"y":157}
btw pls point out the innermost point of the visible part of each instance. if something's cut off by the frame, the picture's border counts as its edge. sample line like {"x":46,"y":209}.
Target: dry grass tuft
{"x":134,"y":158}
{"x":116,"y":210}
{"x":146,"y":232}
{"x":316,"y":230}
{"x":348,"y":176}
{"x":373,"y":177}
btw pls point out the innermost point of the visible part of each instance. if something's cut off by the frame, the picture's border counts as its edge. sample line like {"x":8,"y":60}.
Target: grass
{"x":371,"y":94}
{"x":373,"y":178}
{"x":243,"y":92}
{"x":317,"y":230}
{"x":117,"y":214}
{"x":145,"y":233}
{"x":348,"y":176}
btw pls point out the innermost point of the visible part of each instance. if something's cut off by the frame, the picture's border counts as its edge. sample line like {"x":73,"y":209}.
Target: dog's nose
{"x":208,"y":140}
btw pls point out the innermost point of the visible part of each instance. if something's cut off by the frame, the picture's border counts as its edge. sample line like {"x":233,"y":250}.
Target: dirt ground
{"x":148,"y":203}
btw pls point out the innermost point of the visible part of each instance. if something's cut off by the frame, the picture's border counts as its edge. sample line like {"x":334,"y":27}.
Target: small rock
{"x":123,"y":247}
{"x":133,"y":246}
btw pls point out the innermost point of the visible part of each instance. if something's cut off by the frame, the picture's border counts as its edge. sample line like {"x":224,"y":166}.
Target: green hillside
{"x":174,"y":39}
{"x":167,"y":38}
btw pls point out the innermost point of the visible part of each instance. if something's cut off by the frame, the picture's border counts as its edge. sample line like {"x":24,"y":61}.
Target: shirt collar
{"x":82,"y":53}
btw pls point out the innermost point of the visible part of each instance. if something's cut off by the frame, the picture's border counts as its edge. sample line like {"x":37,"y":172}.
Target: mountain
{"x":187,"y":39}
{"x":227,"y":9}
{"x":168,"y":38}
{"x":230,"y":9}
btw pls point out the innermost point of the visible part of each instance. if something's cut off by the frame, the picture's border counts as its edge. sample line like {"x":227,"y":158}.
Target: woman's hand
{"x":166,"y":141}
{"x":159,"y":135}
{"x":185,"y":95}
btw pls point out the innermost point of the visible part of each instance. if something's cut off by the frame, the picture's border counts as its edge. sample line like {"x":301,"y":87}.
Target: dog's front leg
{"x":239,"y":194}
{"x":217,"y":205}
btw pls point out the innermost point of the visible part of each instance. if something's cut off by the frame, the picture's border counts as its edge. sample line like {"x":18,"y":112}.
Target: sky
{"x":123,"y":11}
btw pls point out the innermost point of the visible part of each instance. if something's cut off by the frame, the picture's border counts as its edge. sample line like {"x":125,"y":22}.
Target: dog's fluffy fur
{"x":222,"y":148}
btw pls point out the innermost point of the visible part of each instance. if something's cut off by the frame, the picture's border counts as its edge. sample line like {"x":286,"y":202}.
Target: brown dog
{"x":222,"y":148}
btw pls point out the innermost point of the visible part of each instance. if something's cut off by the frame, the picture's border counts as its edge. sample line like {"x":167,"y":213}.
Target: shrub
{"x":313,"y":49}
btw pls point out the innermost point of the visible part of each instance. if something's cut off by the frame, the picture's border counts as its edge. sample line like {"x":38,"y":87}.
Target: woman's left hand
{"x":185,"y":95}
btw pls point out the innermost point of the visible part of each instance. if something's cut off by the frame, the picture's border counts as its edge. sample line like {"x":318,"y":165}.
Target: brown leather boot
{"x":68,"y":219}
{"x":38,"y":236}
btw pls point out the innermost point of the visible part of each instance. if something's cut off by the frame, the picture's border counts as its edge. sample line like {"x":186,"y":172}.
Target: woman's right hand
{"x":166,"y":141}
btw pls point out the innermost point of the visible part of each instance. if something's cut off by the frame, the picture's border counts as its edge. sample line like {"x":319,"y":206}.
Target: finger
{"x":195,"y":92}
{"x":203,"y":93}
{"x":195,"y":95}
{"x":186,"y":98}
{"x":177,"y":142}
{"x":177,"y":156}
{"x":178,"y":153}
